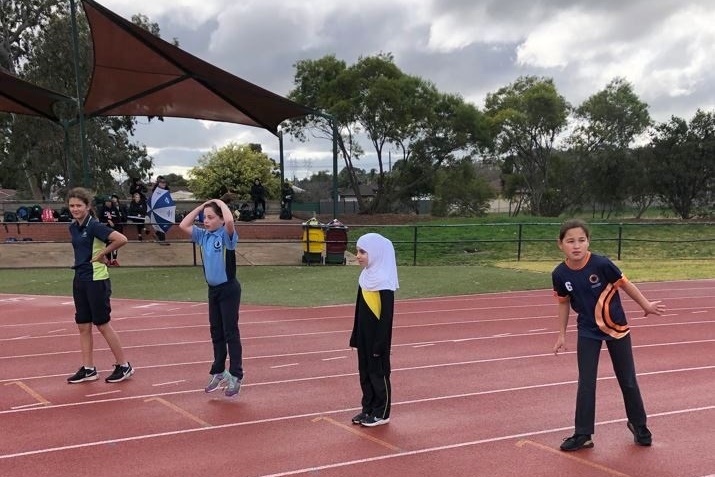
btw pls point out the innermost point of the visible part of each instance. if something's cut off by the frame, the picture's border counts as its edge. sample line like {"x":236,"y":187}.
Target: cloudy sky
{"x":665,"y":48}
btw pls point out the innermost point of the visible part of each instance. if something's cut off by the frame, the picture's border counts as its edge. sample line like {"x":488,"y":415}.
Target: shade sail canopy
{"x":21,"y":97}
{"x":139,"y":74}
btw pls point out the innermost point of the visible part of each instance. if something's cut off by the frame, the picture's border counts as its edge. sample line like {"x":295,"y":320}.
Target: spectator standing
{"x":137,"y":213}
{"x":258,"y":195}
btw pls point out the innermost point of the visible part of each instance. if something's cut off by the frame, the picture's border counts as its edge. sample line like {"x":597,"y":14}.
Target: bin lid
{"x":336,"y":224}
{"x":312,"y":222}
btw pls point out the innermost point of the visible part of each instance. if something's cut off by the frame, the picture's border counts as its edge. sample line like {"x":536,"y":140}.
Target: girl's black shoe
{"x":576,"y":442}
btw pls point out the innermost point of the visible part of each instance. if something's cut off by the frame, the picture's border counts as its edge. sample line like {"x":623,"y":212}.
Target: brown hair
{"x":80,"y":193}
{"x":574,"y":224}
{"x":216,"y":208}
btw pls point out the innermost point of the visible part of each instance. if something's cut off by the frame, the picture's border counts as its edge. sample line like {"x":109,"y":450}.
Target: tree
{"x":319,"y":86}
{"x":460,"y":190}
{"x":527,"y":117}
{"x":606,"y":125}
{"x":684,"y":162}
{"x":391,"y":108}
{"x":45,"y":158}
{"x":232,"y":169}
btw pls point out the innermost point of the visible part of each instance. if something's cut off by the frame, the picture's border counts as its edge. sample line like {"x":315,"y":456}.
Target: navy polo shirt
{"x":592,"y":291}
{"x":89,"y":238}
{"x":218,"y":254}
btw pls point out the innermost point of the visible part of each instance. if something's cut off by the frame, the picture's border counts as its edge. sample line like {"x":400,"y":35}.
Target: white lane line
{"x":284,"y":365}
{"x":339,"y":464}
{"x":104,"y":393}
{"x":169,"y":382}
{"x":423,"y":345}
{"x":25,"y":406}
{"x":333,"y":358}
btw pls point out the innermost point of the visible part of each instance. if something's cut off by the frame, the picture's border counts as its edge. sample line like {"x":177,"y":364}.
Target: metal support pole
{"x":335,"y":168}
{"x":282,"y":163}
{"x":80,"y":110}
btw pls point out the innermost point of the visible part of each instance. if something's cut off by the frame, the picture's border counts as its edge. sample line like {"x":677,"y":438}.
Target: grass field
{"x":306,"y":286}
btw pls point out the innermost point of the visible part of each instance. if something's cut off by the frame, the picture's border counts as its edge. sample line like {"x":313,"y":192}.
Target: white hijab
{"x":381,"y":270}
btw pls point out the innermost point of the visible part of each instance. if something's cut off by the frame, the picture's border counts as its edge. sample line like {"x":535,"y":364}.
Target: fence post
{"x":518,"y":246}
{"x":620,"y":239}
{"x":414,"y":245}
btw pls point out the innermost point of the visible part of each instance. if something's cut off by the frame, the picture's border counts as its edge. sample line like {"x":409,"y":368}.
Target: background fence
{"x":418,"y":244}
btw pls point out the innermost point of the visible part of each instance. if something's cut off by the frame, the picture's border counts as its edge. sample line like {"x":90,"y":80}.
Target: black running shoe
{"x":120,"y":373}
{"x":358,"y":418}
{"x":83,"y":375}
{"x":641,"y":434}
{"x":373,"y":421}
{"x":576,"y":442}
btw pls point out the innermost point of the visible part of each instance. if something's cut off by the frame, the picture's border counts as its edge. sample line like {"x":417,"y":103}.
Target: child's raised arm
{"x":187,"y":222}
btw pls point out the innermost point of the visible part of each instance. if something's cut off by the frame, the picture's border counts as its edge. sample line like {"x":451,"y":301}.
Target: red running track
{"x":477,"y":392}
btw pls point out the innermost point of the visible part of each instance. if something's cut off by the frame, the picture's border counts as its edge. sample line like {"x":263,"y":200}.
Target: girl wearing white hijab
{"x":372,"y":329}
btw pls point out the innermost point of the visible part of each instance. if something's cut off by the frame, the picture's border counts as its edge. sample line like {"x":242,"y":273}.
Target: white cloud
{"x":472,"y":48}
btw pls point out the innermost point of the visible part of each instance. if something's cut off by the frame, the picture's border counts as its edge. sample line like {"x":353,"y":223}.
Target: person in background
{"x":110,"y":215}
{"x":137,"y":185}
{"x":589,"y":284}
{"x":217,"y":240}
{"x":287,"y":197}
{"x":122,"y":209}
{"x":137,"y":213}
{"x":372,"y":328}
{"x":92,"y":241}
{"x":258,"y":195}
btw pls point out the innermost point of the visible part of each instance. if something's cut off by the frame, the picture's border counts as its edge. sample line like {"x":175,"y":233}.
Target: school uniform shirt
{"x":88,"y":239}
{"x":372,"y":327}
{"x":218,"y":254}
{"x":592,"y":291}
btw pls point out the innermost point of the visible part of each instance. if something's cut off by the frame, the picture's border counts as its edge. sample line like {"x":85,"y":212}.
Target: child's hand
{"x":655,"y":307}
{"x":560,"y":345}
{"x":101,"y":258}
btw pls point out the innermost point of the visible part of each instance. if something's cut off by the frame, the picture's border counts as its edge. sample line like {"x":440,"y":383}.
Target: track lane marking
{"x":181,"y":411}
{"x":563,"y":454}
{"x":40,"y":400}
{"x":358,"y":433}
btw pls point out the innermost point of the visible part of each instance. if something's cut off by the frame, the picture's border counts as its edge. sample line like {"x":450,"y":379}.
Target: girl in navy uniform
{"x":218,"y":239}
{"x":372,"y":329}
{"x":93,"y":241}
{"x":589,"y":284}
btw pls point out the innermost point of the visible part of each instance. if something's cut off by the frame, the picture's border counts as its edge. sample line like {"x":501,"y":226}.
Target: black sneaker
{"x":373,"y":421}
{"x":82,"y":375}
{"x":576,"y":442}
{"x":358,"y":418}
{"x":120,"y":373}
{"x":641,"y":435}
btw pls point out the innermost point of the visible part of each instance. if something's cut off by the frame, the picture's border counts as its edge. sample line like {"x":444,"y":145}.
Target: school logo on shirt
{"x":595,"y":281}
{"x":217,"y":244}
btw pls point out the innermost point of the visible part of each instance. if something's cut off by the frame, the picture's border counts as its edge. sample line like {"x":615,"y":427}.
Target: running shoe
{"x":373,"y":421}
{"x":82,"y":375}
{"x":233,"y":385}
{"x":120,"y":373}
{"x":217,"y":380}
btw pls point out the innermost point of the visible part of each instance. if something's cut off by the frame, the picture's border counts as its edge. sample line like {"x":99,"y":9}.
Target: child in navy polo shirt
{"x":93,"y":241}
{"x":217,"y":240}
{"x":589,"y":284}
